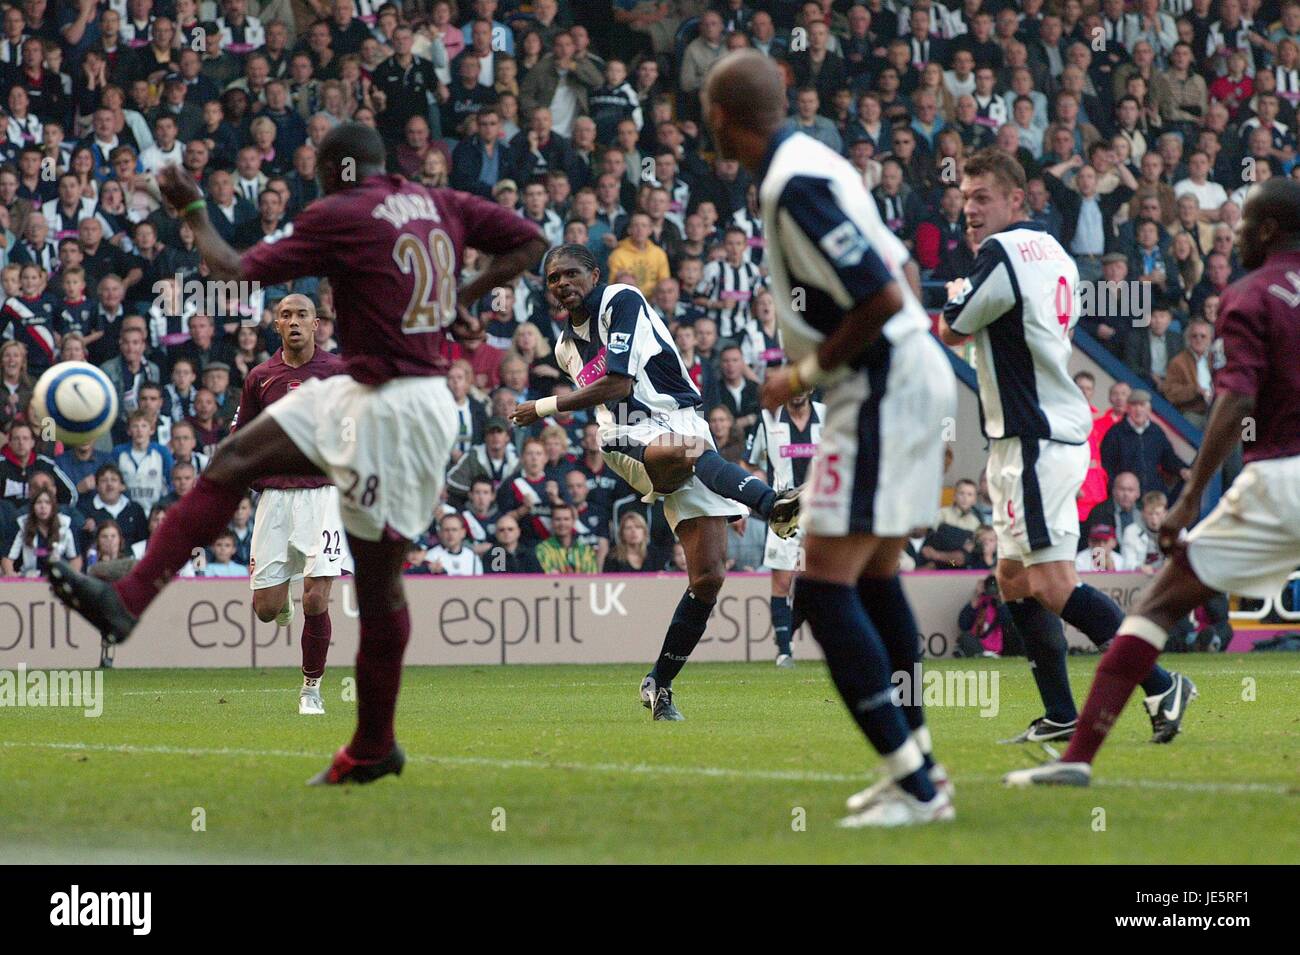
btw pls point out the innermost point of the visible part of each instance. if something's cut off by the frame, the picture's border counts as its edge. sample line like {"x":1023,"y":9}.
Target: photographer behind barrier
{"x":985,"y":625}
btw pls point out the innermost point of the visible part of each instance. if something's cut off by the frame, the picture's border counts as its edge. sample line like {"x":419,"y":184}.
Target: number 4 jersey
{"x":1020,"y":302}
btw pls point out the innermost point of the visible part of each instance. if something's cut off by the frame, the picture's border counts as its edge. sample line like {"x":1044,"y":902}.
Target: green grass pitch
{"x":562,"y":764}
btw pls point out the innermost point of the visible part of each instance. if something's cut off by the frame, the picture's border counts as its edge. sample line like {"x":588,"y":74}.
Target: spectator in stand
{"x":1139,"y":445}
{"x":1149,"y":350}
{"x":19,"y":461}
{"x":451,"y":555}
{"x":1140,"y":545}
{"x":108,"y":502}
{"x":1100,"y":552}
{"x":44,"y":534}
{"x":948,"y":545}
{"x":638,"y":255}
{"x":509,"y":555}
{"x":629,"y":553}
{"x":1119,"y":510}
{"x":1188,"y":383}
{"x":563,"y":552}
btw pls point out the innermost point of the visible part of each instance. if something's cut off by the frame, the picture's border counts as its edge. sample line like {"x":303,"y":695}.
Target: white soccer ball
{"x":77,"y":399}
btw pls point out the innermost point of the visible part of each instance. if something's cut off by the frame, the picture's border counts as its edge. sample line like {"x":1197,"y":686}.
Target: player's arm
{"x":838,"y":259}
{"x":183,"y":194}
{"x":514,"y":244}
{"x":979,"y":299}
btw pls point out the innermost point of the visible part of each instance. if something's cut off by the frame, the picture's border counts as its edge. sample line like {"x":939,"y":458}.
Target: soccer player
{"x":621,"y":357}
{"x":1020,"y":303}
{"x":784,"y":444}
{"x":297,"y":532}
{"x":863,"y":337}
{"x":1250,"y":543}
{"x":383,"y":432}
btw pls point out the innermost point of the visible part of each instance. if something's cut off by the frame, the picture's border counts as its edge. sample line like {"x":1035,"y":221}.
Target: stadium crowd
{"x":1140,"y":126}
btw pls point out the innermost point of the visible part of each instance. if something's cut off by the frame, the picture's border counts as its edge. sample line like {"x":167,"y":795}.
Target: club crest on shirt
{"x":619,"y":342}
{"x":844,"y":245}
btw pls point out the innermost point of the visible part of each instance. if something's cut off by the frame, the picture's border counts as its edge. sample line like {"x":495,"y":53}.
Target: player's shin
{"x":859,"y":668}
{"x":316,"y":633}
{"x":379,"y":675}
{"x":191,"y":524}
{"x":1045,"y":648}
{"x":1122,"y":667}
{"x":781,"y":623}
{"x":887,"y":606}
{"x":734,"y":483}
{"x":1099,"y":618}
{"x":689,"y":620}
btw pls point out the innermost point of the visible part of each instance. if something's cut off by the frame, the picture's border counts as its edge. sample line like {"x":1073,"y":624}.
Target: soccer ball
{"x":78,"y":399}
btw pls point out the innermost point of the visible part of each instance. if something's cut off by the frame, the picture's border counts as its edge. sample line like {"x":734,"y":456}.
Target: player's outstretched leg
{"x":1142,"y":635}
{"x":881,"y":591}
{"x":385,"y":631}
{"x":259,"y":450}
{"x":705,"y":541}
{"x":828,"y":597}
{"x":672,"y":461}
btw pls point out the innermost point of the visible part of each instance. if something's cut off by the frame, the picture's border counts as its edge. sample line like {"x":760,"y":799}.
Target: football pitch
{"x":562,"y":764}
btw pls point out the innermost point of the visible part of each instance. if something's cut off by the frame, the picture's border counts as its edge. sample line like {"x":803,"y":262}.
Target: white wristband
{"x":546,"y":407}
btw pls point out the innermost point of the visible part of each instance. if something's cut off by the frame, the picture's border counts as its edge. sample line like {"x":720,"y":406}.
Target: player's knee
{"x":707,"y":583}
{"x":265,"y":608}
{"x":315,"y":602}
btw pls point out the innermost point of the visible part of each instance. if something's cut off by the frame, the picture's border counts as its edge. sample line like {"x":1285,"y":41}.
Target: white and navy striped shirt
{"x":783,"y":449}
{"x":625,"y":336}
{"x":753,"y":229}
{"x":826,"y":239}
{"x":734,"y":286}
{"x":1020,"y":302}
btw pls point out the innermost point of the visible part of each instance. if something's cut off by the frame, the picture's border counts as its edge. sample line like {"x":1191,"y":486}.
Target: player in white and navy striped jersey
{"x":784,"y":442}
{"x":622,"y":360}
{"x":730,"y":284}
{"x":852,"y":325}
{"x":1020,"y":303}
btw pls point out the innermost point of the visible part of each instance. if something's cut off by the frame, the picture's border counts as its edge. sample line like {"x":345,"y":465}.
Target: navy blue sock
{"x":859,"y":666}
{"x":781,"y":623}
{"x":887,"y":606}
{"x":734,"y":483}
{"x":1099,"y":618}
{"x":689,"y":620}
{"x":1045,"y":647}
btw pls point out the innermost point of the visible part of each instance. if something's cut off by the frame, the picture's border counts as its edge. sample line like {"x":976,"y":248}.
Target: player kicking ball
{"x":623,"y":363}
{"x":297,"y":533}
{"x":865,"y":339}
{"x":1250,"y":543}
{"x":1020,"y":304}
{"x":382,"y":432}
{"x":784,"y":443}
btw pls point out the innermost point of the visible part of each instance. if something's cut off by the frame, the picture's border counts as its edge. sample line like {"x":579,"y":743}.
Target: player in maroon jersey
{"x":382,"y":432}
{"x":297,"y":532}
{"x":1250,"y":543}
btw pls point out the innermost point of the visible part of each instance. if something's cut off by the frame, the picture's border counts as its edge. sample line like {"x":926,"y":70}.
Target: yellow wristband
{"x":198,"y":205}
{"x":546,"y":407}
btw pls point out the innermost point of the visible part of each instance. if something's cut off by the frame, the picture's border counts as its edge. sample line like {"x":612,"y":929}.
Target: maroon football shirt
{"x":392,"y":250}
{"x":1257,"y":352}
{"x":269,"y":382}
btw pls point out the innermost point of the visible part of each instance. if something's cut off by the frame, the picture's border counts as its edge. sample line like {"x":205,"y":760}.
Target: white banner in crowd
{"x":617,"y":618}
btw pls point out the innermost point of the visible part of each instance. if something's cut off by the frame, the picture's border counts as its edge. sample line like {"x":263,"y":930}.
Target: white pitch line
{"x":637,"y":769}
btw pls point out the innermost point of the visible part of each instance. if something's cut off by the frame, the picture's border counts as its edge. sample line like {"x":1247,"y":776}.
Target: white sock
{"x":310,"y":683}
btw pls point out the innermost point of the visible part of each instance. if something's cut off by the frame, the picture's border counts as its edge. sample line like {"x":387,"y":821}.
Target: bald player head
{"x":349,"y":153}
{"x":295,"y":321}
{"x":1270,"y":222}
{"x":745,"y":103}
